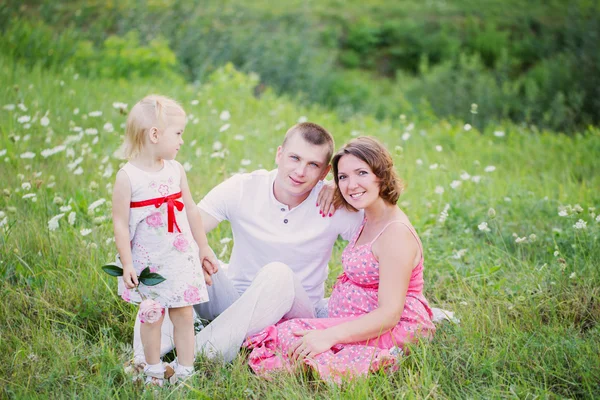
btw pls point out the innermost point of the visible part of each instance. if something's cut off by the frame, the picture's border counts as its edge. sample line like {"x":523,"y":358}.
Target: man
{"x":282,"y":245}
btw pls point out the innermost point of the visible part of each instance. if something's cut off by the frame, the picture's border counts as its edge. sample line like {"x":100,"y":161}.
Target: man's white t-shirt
{"x":265,"y":230}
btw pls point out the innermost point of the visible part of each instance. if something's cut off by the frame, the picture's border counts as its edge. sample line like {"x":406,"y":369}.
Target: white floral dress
{"x":162,"y":240}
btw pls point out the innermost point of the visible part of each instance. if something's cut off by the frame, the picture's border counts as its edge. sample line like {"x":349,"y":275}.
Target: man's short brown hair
{"x":313,"y":134}
{"x":372,"y":152}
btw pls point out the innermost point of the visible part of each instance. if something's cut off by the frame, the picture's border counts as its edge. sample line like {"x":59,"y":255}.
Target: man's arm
{"x":208,"y":221}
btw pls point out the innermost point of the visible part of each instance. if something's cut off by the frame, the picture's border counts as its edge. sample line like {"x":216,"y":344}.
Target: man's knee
{"x":276,"y":274}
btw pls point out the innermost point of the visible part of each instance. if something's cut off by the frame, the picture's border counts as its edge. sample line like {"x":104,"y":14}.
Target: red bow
{"x":172,"y":203}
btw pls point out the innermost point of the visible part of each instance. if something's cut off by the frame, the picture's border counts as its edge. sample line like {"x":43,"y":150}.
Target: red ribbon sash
{"x":172,"y":203}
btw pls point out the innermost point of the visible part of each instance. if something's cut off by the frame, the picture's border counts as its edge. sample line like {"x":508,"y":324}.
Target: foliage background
{"x":534,"y":62}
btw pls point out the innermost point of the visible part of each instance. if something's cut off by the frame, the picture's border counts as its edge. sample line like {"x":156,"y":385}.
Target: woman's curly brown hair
{"x":372,"y":152}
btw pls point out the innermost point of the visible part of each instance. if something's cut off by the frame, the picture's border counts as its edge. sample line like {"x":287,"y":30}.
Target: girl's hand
{"x":129,"y":277}
{"x":325,"y":199}
{"x":210,"y":264}
{"x":313,"y":342}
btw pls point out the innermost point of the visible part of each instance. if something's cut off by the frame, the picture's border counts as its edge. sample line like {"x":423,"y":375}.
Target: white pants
{"x":275,"y":293}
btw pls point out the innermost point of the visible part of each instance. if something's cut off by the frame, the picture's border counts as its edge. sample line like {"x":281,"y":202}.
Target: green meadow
{"x":509,"y":217}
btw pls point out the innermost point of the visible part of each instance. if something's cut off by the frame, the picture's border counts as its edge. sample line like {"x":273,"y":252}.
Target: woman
{"x":377,"y":304}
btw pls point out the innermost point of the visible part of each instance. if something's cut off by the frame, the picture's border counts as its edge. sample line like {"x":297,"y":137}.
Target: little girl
{"x":158,"y":225}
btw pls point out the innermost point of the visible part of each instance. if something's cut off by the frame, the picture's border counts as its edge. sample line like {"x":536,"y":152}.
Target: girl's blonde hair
{"x":151,"y":111}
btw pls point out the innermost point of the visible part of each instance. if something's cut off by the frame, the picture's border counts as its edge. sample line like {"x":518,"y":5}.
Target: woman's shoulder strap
{"x":410,"y":228}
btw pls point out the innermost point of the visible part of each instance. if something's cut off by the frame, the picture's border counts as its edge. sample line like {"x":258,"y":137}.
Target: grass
{"x":528,"y":318}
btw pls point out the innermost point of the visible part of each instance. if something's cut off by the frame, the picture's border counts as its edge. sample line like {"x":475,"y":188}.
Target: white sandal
{"x":156,"y":374}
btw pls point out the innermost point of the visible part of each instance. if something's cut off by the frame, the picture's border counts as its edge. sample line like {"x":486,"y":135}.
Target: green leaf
{"x":145,"y":273}
{"x":151,"y":278}
{"x":113,"y":269}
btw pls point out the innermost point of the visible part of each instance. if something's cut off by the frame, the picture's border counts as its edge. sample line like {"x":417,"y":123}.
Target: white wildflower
{"x":224,"y":127}
{"x":75,"y":163}
{"x":476,"y":178}
{"x":455,"y":184}
{"x":467,"y":127}
{"x":438,"y":148}
{"x":78,"y":171}
{"x":76,"y":111}
{"x":489,"y":168}
{"x":3,"y":221}
{"x":433,"y":166}
{"x":217,"y":146}
{"x":245,"y":162}
{"x":598,"y":218}
{"x":95,"y":114}
{"x":187,"y":166}
{"x":65,"y":209}
{"x":9,"y":107}
{"x":108,"y":127}
{"x":238,"y":137}
{"x":563,"y":213}
{"x":22,"y":107}
{"x":58,"y":200}
{"x":465,"y":176}
{"x":85,"y":232}
{"x":96,"y":204}
{"x":91,"y":131}
{"x":225,"y":115}
{"x":354,"y":133}
{"x":28,"y":154}
{"x":23,"y":119}
{"x":491,"y":213}
{"x":25,"y":185}
{"x":223,"y":251}
{"x":225,"y":240}
{"x":71,"y":218}
{"x":556,"y":253}
{"x":573,"y":275}
{"x":218,"y":154}
{"x":444,"y":214}
{"x":581,"y":224}
{"x":99,"y":220}
{"x":459,"y":254}
{"x":499,"y":133}
{"x":49,"y":152}
{"x":194,"y":102}
{"x":118,"y":106}
{"x":53,"y":222}
{"x":45,"y":121}
{"x":532,"y":237}
{"x":405,"y":136}
{"x":519,"y":240}
{"x":29,"y":196}
{"x":439,"y":190}
{"x":484,"y":227}
{"x":302,"y":119}
{"x":507,"y":199}
{"x":577,"y":208}
{"x":419,"y":161}
{"x":3,"y":152}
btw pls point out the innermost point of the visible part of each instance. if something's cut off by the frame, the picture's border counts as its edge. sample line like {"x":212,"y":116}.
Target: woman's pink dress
{"x":354,"y":294}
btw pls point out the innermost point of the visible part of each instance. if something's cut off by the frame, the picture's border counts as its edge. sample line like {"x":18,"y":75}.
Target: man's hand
{"x":210,"y":265}
{"x":325,"y":199}
{"x":129,"y":277}
{"x":311,"y":343}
